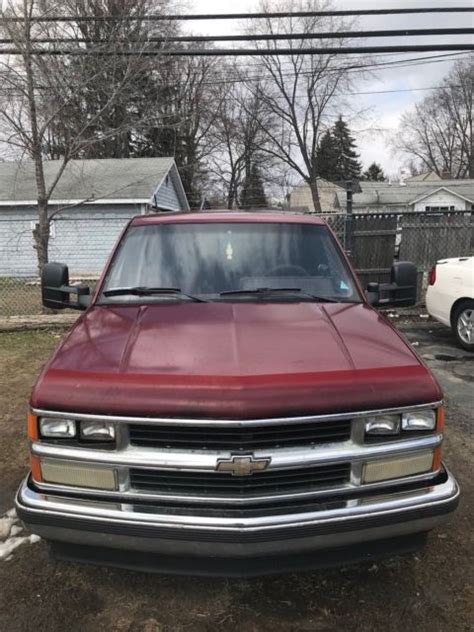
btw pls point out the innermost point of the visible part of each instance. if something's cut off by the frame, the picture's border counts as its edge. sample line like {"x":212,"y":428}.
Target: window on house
{"x":439,"y":209}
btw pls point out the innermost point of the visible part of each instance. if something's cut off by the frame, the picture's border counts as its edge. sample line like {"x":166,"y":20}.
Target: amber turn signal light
{"x":35,"y":466}
{"x":440,"y":418}
{"x":33,"y":427}
{"x":436,"y":460}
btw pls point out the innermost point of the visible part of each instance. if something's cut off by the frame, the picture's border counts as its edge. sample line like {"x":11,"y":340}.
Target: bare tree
{"x":182,"y":103}
{"x":438,"y":131}
{"x":302,"y":91}
{"x":44,"y":111}
{"x":240,"y":138}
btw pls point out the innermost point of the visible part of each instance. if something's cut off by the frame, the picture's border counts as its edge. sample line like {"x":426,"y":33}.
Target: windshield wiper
{"x":267,"y":291}
{"x":151,"y":291}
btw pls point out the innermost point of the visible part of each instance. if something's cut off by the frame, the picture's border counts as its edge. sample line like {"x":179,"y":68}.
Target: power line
{"x":297,"y":96}
{"x":240,"y":16}
{"x":241,"y":52}
{"x":354,"y":67}
{"x":254,"y":38}
{"x":382,"y":65}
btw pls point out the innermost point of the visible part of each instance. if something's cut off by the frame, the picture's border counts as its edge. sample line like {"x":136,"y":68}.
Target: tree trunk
{"x":231,"y":193}
{"x":313,"y":185}
{"x":41,"y":230}
{"x":41,"y":235}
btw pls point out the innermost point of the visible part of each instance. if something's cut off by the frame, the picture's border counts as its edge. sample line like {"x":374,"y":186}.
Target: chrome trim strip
{"x":233,"y":423}
{"x":284,"y":458}
{"x":395,"y":503}
{"x":129,"y":494}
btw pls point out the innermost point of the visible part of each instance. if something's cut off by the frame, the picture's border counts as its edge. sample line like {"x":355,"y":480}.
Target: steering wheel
{"x":288,"y":270}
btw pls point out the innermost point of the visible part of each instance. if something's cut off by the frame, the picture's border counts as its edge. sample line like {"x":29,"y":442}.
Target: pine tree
{"x":253,"y":191}
{"x":374,"y":173}
{"x":348,"y":166}
{"x":327,"y":157}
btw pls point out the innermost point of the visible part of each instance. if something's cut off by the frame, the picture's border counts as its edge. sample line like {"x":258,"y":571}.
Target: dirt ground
{"x":432,"y":590}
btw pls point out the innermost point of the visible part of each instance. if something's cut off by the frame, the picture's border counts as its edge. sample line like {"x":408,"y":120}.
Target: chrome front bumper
{"x":145,"y":529}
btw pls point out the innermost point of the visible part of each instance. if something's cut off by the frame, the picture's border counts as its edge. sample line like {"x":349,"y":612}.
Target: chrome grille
{"x":215,"y":437}
{"x":225,"y":485}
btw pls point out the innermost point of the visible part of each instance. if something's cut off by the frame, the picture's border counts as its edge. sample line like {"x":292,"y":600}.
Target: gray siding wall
{"x":167,"y":197}
{"x":82,"y":238}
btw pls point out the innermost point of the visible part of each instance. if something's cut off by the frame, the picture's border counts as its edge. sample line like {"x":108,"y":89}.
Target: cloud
{"x":385,"y":109}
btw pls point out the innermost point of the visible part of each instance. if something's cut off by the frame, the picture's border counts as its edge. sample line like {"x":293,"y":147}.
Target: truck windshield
{"x":228,"y":261}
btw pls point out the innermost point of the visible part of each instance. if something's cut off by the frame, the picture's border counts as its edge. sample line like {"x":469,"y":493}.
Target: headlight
{"x":383,"y":425}
{"x":57,"y":428}
{"x":424,"y":420}
{"x":97,"y":431}
{"x":419,"y":420}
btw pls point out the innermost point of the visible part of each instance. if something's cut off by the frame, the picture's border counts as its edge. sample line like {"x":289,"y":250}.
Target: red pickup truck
{"x":230,"y":402}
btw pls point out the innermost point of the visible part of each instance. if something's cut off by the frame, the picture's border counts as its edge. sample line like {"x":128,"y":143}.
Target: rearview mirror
{"x":400,"y":292}
{"x":56,"y":292}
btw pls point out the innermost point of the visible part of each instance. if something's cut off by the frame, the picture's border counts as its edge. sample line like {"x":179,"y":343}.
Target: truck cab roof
{"x":217,"y":216}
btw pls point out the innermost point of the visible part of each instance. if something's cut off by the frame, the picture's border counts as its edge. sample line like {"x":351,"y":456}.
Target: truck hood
{"x":232,"y":360}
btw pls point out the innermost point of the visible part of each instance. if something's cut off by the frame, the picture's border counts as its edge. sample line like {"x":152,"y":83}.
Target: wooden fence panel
{"x":427,"y":238}
{"x":373,"y":247}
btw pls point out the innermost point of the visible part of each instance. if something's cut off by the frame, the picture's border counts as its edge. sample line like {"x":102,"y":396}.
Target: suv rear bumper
{"x":139,"y":536}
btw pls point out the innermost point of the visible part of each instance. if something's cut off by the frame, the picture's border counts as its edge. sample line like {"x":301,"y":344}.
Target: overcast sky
{"x":384,"y":109}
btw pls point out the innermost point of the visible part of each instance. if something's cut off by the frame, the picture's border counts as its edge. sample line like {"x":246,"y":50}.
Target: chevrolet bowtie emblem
{"x":242,"y":465}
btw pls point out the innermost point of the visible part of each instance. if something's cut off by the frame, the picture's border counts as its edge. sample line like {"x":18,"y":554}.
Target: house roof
{"x":322,"y":183}
{"x":424,"y":177}
{"x":385,"y":194}
{"x":104,"y":180}
{"x":453,"y":192}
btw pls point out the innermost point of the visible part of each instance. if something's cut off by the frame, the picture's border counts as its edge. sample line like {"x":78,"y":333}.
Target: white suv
{"x":450,"y":297}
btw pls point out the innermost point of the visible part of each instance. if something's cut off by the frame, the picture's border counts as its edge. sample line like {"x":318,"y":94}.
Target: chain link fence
{"x":83,"y":244}
{"x":373,"y":241}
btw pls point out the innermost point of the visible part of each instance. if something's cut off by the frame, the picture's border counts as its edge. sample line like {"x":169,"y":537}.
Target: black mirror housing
{"x":373,"y":293}
{"x":400,"y":292}
{"x":404,"y":280}
{"x":56,"y":291}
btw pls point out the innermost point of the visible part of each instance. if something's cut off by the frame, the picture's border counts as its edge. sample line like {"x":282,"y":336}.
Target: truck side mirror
{"x":400,"y":292}
{"x":373,"y":293}
{"x":404,"y":278}
{"x":56,"y":292}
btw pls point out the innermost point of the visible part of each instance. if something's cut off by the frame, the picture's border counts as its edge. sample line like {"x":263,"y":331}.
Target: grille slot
{"x":251,"y":438}
{"x":225,"y":485}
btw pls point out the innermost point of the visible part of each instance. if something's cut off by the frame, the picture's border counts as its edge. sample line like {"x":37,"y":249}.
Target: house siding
{"x":82,"y":238}
{"x":166,"y":197}
{"x":443,"y":199}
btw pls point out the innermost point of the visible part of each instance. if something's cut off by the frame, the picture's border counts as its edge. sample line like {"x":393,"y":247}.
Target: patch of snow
{"x":6,"y":525}
{"x":7,"y":548}
{"x":10,"y":527}
{"x":15,"y":530}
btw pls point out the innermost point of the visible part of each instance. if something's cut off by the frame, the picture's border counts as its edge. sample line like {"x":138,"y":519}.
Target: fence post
{"x":349,"y":219}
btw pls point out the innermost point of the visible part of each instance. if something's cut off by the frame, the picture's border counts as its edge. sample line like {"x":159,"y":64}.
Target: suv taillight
{"x":432,"y":278}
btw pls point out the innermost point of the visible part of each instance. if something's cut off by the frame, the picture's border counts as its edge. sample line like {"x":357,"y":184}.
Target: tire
{"x":463,"y":324}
